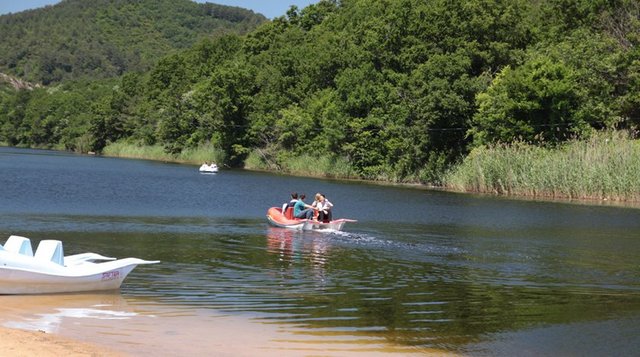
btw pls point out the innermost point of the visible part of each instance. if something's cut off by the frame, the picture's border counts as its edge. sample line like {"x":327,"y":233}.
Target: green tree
{"x":535,"y":103}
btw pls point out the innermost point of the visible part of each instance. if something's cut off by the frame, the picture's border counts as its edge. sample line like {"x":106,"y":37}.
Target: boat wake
{"x":429,"y":245}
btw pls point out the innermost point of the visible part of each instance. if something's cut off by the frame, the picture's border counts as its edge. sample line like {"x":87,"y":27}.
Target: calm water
{"x":421,"y":271}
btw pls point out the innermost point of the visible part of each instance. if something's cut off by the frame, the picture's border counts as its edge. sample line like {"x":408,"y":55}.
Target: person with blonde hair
{"x":323,"y":206}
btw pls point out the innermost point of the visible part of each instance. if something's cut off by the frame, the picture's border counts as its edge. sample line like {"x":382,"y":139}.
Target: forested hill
{"x":105,"y":38}
{"x":393,"y":90}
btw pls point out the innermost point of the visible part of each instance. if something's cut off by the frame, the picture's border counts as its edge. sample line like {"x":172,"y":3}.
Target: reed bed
{"x":202,"y":153}
{"x":303,"y":165}
{"x":198,"y":155}
{"x":604,"y":167}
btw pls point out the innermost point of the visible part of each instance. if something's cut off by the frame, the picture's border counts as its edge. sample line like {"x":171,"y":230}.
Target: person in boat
{"x":303,"y":210}
{"x":294,"y":199}
{"x":290,"y":204}
{"x":323,"y":205}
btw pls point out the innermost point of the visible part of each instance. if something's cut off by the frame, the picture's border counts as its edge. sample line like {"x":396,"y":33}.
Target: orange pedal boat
{"x":277,"y":218}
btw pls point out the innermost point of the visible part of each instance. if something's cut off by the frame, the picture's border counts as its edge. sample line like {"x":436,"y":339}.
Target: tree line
{"x":398,"y":89}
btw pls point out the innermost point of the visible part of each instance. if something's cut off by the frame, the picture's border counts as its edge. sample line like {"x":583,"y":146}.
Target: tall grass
{"x":605,"y":167}
{"x":123,"y":149}
{"x":196,"y":155}
{"x":202,"y":153}
{"x":302,"y":165}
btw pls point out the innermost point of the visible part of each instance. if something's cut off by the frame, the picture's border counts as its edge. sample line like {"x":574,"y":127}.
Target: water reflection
{"x":280,"y":243}
{"x":49,"y":313}
{"x":310,"y":247}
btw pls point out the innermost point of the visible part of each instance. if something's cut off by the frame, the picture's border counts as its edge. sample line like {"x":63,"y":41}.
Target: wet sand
{"x":21,"y":343}
{"x":112,"y":325}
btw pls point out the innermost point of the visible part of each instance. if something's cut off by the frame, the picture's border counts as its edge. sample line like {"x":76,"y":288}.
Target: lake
{"x":421,"y":272}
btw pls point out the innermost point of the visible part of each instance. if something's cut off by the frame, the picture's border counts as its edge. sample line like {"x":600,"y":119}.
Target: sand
{"x":111,"y":325}
{"x":21,"y":343}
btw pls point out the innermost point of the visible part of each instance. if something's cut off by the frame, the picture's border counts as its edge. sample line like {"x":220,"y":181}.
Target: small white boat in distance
{"x":209,"y":168}
{"x":49,"y":271}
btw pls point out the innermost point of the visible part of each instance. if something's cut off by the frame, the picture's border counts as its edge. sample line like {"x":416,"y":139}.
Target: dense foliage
{"x":398,"y":89}
{"x":106,"y":38}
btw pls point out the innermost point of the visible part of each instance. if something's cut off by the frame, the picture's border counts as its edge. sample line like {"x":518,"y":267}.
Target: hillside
{"x":394,"y":90}
{"x":105,"y":38}
{"x":16,"y":83}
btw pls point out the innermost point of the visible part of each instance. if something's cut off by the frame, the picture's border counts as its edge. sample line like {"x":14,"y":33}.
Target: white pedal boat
{"x":208,"y":169}
{"x":49,"y":271}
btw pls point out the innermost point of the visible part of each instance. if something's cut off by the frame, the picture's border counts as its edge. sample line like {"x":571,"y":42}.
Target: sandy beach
{"x":19,"y":343}
{"x":22,"y":343}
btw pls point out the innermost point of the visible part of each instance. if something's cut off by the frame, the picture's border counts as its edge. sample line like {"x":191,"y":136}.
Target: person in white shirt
{"x":323,"y":206}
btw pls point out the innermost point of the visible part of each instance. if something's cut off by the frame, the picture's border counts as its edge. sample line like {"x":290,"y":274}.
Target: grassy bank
{"x":304,"y":165}
{"x":606,"y":167}
{"x":203,"y":153}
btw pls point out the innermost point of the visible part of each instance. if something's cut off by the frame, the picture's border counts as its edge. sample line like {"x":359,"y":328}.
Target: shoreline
{"x":589,"y":201}
{"x":24,"y":343}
